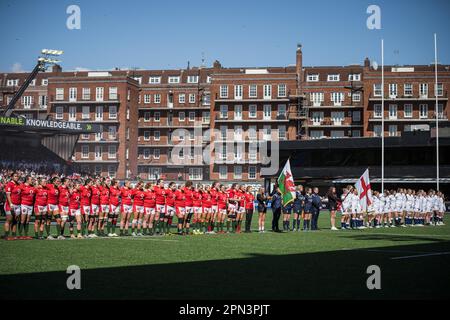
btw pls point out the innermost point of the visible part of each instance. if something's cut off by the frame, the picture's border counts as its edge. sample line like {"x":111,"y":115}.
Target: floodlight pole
{"x":382,"y":115}
{"x":436,"y":111}
{"x":40,"y":66}
{"x":9,"y":109}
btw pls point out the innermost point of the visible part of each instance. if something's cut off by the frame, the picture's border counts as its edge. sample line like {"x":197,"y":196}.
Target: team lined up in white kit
{"x":401,"y":208}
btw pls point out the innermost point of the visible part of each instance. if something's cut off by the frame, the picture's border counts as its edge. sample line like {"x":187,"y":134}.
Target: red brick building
{"x":205,"y":123}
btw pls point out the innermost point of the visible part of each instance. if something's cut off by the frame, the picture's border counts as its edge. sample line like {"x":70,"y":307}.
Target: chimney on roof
{"x":366,"y":63}
{"x":56,"y":68}
{"x":217,"y":65}
{"x":299,"y":66}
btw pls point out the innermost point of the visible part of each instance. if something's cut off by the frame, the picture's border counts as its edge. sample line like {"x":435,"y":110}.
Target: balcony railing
{"x":429,"y":96}
{"x":279,"y":117}
{"x":92,"y":99}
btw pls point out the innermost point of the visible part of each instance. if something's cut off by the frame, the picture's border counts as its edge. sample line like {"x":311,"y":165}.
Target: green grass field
{"x":298,"y":265}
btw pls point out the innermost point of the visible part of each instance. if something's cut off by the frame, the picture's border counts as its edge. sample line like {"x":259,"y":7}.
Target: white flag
{"x":364,"y":191}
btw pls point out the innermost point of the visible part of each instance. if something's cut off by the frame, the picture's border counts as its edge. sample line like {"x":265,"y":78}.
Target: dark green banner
{"x":48,"y":124}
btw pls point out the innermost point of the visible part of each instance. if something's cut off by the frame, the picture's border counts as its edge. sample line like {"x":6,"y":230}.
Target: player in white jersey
{"x":417,"y":208}
{"x":398,"y":207}
{"x":441,"y":211}
{"x":429,"y":208}
{"x":435,"y":210}
{"x":382,"y":198}
{"x":409,"y":204}
{"x":392,"y":208}
{"x":355,"y":210}
{"x":376,"y":206}
{"x":403,"y":193}
{"x":346,"y":208}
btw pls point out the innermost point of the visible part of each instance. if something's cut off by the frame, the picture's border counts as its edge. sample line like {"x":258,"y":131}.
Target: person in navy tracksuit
{"x":276,"y":208}
{"x":299,"y":204}
{"x":308,"y":209}
{"x":316,"y":206}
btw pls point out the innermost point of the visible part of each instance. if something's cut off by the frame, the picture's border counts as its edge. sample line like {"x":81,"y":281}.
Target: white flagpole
{"x":382,"y":115}
{"x":436,"y":111}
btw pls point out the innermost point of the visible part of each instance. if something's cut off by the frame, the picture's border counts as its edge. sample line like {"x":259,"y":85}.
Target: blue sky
{"x":166,"y":34}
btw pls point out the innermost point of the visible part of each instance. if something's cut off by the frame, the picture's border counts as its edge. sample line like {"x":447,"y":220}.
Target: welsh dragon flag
{"x":286,"y":184}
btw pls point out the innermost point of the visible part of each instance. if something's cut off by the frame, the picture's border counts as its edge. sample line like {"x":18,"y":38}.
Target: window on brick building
{"x":157,"y":98}
{"x":377,"y":92}
{"x":147,"y":98}
{"x":181,"y":98}
{"x":85,"y":115}
{"x":423,"y":111}
{"x":408,"y":110}
{"x":224,"y":91}
{"x":86,"y":94}
{"x":333,"y":77}
{"x":113,"y":93}
{"x":59,"y":94}
{"x":112,"y":112}
{"x":282,"y":90}
{"x":252,"y":172}
{"x":192,"y":79}
{"x":223,"y":172}
{"x":112,"y":152}
{"x":267,"y":91}
{"x":72,"y":94}
{"x":154,"y":80}
{"x":408,"y":89}
{"x":423,"y":89}
{"x":238,"y":92}
{"x":99,"y":93}
{"x":59,"y":113}
{"x":253,"y":91}
{"x":84,"y":152}
{"x":312,"y":78}
{"x":252,"y":111}
{"x":174,"y":79}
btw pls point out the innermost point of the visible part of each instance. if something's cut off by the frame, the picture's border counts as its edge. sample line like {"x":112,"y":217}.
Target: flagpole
{"x":436,"y":111}
{"x":382,"y":115}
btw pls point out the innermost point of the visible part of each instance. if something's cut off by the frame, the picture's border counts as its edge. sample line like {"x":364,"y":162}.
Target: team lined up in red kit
{"x":97,"y":203}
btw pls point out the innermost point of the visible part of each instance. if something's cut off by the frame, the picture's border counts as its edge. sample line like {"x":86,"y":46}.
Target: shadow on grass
{"x":390,"y":237}
{"x":327,"y":275}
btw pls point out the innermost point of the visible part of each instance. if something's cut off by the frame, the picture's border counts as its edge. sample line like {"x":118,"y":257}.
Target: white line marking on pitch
{"x":137,"y":239}
{"x":422,"y":255}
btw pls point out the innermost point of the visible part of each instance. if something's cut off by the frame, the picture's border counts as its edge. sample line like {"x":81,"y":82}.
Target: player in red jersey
{"x":114,"y":207}
{"x":63,"y":202}
{"x":214,"y":209}
{"x":95,"y":208}
{"x":149,"y":207}
{"x":103,"y":214}
{"x":138,"y":209}
{"x":170,"y":206}
{"x":249,"y":207}
{"x":206,"y":210}
{"x":126,"y":194}
{"x":240,"y":195}
{"x":197,"y":206}
{"x":180,"y":208}
{"x":27,"y":194}
{"x":85,"y":191}
{"x":40,"y":207}
{"x":187,"y":189}
{"x":222,"y":204}
{"x":75,"y":209}
{"x":232,"y":207}
{"x":160,"y":205}
{"x":12,"y":205}
{"x":52,"y":205}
